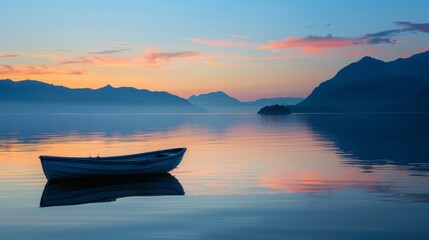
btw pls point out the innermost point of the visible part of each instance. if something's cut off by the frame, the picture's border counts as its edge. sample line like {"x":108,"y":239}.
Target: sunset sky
{"x":249,"y":49}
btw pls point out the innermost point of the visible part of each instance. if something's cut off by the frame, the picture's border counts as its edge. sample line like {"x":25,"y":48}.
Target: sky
{"x":249,"y":49}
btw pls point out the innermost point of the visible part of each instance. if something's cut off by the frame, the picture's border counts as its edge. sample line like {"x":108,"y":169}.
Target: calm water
{"x":244,"y":176}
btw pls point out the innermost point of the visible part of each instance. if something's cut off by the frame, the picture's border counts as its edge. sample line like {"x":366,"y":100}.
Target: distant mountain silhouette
{"x":370,"y":85}
{"x":214,"y":98}
{"x":35,"y":96}
{"x":222,"y":102}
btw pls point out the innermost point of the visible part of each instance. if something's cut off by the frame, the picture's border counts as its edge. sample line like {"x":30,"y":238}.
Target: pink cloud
{"x":311,"y":43}
{"x":36,"y":70}
{"x":222,"y":42}
{"x":315,"y":44}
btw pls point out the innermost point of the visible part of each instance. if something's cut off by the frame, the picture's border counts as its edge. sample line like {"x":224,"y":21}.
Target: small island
{"x":274,"y":110}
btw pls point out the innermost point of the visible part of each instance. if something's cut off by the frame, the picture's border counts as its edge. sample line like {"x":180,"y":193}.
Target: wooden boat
{"x":83,"y":191}
{"x":143,"y":164}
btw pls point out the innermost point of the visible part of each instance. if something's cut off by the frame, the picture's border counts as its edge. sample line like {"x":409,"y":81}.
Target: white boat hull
{"x":145,"y":164}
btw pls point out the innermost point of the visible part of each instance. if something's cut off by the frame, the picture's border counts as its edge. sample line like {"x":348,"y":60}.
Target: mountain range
{"x":35,"y":96}
{"x":372,"y":85}
{"x":222,"y":102}
{"x":30,"y":96}
{"x":368,"y":85}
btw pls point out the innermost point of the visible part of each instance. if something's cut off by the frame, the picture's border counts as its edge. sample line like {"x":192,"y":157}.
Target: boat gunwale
{"x":108,"y":160}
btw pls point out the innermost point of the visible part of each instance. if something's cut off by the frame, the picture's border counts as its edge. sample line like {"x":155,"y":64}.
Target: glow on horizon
{"x":279,"y":48}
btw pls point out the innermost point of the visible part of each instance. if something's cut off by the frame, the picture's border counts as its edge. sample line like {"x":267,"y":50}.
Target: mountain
{"x":214,"y":98}
{"x":35,"y":96}
{"x":221,"y":102}
{"x":369,"y":85}
{"x":416,"y":103}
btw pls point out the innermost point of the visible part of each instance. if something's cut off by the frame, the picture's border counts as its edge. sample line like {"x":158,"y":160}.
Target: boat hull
{"x":145,"y":164}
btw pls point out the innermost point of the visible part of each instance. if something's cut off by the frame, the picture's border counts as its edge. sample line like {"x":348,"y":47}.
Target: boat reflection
{"x":75,"y":192}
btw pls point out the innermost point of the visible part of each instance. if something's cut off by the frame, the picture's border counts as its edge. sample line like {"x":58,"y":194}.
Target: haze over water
{"x":330,"y":176}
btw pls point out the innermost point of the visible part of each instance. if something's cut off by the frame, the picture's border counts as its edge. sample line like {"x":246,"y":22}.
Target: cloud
{"x":109,"y":51}
{"x":36,"y":70}
{"x":313,"y":26}
{"x":417,"y":27}
{"x":149,"y":59}
{"x":311,"y":43}
{"x":222,"y":42}
{"x":318,"y":43}
{"x":158,"y":57}
{"x":9,"y":55}
{"x":31,"y":55}
{"x":382,"y":37}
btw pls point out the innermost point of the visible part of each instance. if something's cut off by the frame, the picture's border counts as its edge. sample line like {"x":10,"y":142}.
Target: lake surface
{"x":308,"y":176}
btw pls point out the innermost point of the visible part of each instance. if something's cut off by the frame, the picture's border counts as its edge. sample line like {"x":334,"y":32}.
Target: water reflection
{"x":75,"y":192}
{"x":18,"y":130}
{"x":251,"y":176}
{"x":369,"y":140}
{"x":239,"y":154}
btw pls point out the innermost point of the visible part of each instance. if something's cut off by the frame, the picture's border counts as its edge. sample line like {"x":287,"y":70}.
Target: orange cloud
{"x":149,"y":59}
{"x":26,"y":55}
{"x":159,"y":57}
{"x":99,"y":61}
{"x":222,"y":42}
{"x":9,"y":55}
{"x":36,"y":70}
